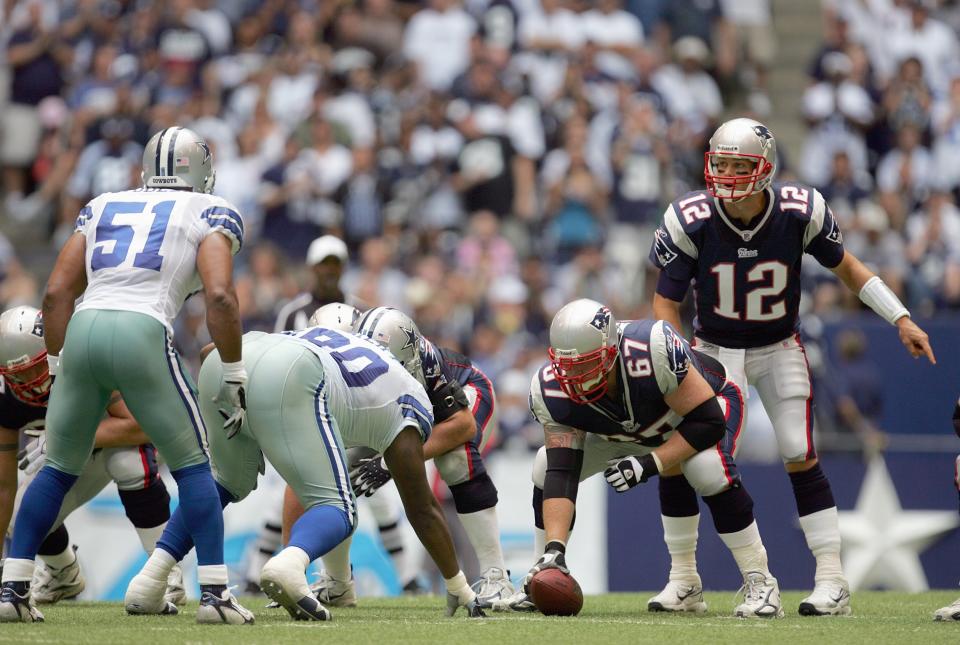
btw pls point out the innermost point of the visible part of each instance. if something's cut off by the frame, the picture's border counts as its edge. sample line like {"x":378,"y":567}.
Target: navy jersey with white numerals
{"x":654,"y":359}
{"x":746,"y":281}
{"x":15,"y":414}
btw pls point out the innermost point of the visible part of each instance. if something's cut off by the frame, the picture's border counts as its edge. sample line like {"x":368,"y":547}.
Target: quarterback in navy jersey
{"x":122,"y":455}
{"x":633,"y":400}
{"x":741,"y":242}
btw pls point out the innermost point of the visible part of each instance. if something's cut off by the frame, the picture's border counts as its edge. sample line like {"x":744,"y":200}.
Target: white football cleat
{"x":146,"y":596}
{"x":51,"y":585}
{"x":950,"y":612}
{"x":288,"y":587}
{"x":176,"y":593}
{"x":494,"y":585}
{"x":519,"y":601}
{"x":16,"y":608}
{"x":829,"y":598}
{"x":334,"y":593}
{"x":223,"y":610}
{"x":679,"y":596}
{"x":761,"y":597}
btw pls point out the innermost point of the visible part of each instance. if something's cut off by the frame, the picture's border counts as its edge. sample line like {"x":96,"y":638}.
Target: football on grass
{"x":556,"y":593}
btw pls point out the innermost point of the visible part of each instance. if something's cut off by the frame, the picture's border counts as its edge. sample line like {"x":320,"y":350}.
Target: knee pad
{"x":147,"y":507}
{"x":539,"y":472}
{"x":477,"y":494}
{"x":132,"y":467}
{"x":709,"y":473}
{"x":459,"y":465}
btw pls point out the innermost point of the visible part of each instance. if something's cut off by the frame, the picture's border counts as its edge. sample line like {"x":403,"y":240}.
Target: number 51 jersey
{"x":747,"y":280}
{"x":142,"y":248}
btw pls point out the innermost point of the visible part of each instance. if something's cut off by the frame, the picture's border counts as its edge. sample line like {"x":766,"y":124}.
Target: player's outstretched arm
{"x":67,"y":281}
{"x":562,"y":480}
{"x":878,"y":296}
{"x":451,"y":433}
{"x":666,"y":309}
{"x":215,"y":266}
{"x":404,"y":458}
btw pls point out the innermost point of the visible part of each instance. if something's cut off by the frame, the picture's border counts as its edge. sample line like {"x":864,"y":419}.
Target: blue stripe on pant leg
{"x":330,"y":443}
{"x":186,"y":395}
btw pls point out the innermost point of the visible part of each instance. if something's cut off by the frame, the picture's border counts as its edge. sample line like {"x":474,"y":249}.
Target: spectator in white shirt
{"x":549,"y":37}
{"x":905,"y":174}
{"x":437,"y":39}
{"x":616,"y":33}
{"x":930,"y":40}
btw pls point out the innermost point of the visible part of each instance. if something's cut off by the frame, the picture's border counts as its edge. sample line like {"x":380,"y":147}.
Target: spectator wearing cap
{"x":327,"y":259}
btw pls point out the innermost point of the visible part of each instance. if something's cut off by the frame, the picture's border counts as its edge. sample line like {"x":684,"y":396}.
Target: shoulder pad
{"x":670,"y":356}
{"x":547,"y":400}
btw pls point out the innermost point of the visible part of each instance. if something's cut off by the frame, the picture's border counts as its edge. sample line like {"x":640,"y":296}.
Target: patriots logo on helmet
{"x":601,"y":321}
{"x":664,"y":253}
{"x":763,"y":132}
{"x":38,"y":325}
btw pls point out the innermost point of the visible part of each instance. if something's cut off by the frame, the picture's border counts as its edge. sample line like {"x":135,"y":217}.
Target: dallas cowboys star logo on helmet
{"x":411,"y":340}
{"x":206,"y":150}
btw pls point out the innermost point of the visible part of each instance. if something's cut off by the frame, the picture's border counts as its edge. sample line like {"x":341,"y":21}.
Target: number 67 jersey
{"x":142,"y":248}
{"x":747,"y":277}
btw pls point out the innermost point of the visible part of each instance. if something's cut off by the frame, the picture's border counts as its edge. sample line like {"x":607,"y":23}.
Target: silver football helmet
{"x":744,"y":139}
{"x":178,"y":158}
{"x":396,"y":332}
{"x":336,"y":315}
{"x":23,"y":355}
{"x":583,"y":349}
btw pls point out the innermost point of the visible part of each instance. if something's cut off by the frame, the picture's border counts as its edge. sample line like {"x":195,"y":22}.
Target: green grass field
{"x":617,"y":619}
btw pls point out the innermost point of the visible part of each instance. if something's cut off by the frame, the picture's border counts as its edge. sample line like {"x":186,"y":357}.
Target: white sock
{"x":680,"y":534}
{"x":60,"y":560}
{"x":823,"y":538}
{"x":17,"y":570}
{"x":336,"y":562}
{"x":539,"y":542}
{"x":747,"y":549}
{"x":297,"y":559}
{"x":158,"y":565}
{"x":148,"y":537}
{"x":210,"y":574}
{"x":483,"y":530}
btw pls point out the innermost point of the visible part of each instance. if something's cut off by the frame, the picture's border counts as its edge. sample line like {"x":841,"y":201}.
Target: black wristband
{"x":555,"y":545}
{"x":649,"y":465}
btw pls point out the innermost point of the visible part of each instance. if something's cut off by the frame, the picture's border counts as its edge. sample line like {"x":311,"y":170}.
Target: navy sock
{"x":732,"y":510}
{"x":38,"y":511}
{"x":677,"y":497}
{"x":320,"y":529}
{"x":812,"y":491}
{"x":201,"y":512}
{"x":55,"y":543}
{"x":176,"y":539}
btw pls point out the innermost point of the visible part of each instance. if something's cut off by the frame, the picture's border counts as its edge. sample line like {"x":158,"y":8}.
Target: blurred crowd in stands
{"x":484,"y":161}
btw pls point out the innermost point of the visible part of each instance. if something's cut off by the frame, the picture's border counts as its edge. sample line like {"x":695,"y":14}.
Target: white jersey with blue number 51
{"x":142,"y":248}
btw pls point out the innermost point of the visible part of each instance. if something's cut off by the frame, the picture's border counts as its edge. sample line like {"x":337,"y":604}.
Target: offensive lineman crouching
{"x":634,"y":398}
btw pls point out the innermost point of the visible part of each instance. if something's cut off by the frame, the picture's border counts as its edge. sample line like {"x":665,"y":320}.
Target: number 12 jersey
{"x":142,"y":248}
{"x":746,"y":280}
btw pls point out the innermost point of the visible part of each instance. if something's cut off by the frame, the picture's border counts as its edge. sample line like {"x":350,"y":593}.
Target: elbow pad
{"x":563,"y":473}
{"x":447,"y":400}
{"x":703,"y":427}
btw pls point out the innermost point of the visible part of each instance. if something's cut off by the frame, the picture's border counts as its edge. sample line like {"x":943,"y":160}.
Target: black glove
{"x":368,"y":475}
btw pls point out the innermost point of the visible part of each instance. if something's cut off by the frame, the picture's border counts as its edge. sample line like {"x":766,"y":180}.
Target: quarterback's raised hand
{"x":623,"y":473}
{"x":368,"y":475}
{"x":552,"y":558}
{"x":34,"y":455}
{"x":232,"y":398}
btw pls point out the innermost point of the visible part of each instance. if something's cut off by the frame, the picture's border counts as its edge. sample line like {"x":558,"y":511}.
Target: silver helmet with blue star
{"x":397,"y":333}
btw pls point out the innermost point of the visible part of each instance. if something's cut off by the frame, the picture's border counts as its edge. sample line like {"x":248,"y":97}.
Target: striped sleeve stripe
{"x":187,"y":396}
{"x":225,"y":217}
{"x":677,"y":235}
{"x":411,"y":408}
{"x":334,"y":452}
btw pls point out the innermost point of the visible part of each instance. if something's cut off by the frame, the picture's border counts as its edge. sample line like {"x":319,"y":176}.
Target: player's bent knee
{"x":454,"y":466}
{"x":475,"y":495}
{"x":539,"y":472}
{"x":130,"y":468}
{"x":706,"y":473}
{"x":147,"y":507}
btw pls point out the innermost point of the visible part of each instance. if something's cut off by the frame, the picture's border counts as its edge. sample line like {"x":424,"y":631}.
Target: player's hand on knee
{"x":552,"y":558}
{"x":232,"y":400}
{"x":623,"y":473}
{"x":368,"y":475}
{"x":34,"y":455}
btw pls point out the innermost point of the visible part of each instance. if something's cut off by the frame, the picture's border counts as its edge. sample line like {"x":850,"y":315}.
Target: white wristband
{"x":234,"y":371}
{"x":457,"y":586}
{"x":53,"y":364}
{"x":878,"y":296}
